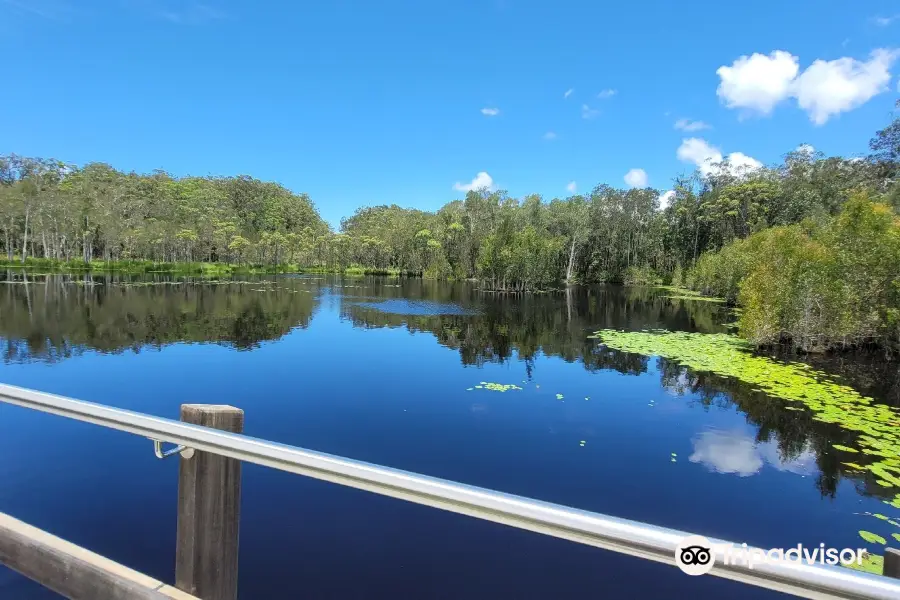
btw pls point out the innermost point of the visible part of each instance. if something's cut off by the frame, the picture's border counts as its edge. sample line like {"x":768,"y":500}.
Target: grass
{"x":208,"y":269}
{"x":680,"y":293}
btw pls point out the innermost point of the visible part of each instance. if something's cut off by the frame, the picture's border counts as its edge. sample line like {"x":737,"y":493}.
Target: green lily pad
{"x":872,"y":538}
{"x":871,"y":563}
{"x":844,"y":448}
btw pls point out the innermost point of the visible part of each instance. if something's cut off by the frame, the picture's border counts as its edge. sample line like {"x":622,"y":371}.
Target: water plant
{"x":497,"y":387}
{"x":872,"y":538}
{"x":877,"y":426}
{"x":871,"y":563}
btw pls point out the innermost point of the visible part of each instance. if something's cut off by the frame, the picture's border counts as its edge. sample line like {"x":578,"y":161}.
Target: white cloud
{"x":757,"y":83}
{"x":741,"y":163}
{"x":571,"y":187}
{"x":490,"y":112}
{"x":636,"y":178}
{"x":885,"y":21}
{"x":550,"y":135}
{"x":698,"y":151}
{"x":688,"y":125}
{"x":588,"y":113}
{"x":827,"y":88}
{"x":607,"y":94}
{"x":568,"y":92}
{"x":482,"y":180}
{"x":665,"y":199}
{"x":705,"y":156}
{"x":806,"y":149}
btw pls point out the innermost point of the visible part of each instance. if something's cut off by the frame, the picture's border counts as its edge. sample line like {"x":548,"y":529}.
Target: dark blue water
{"x":338,"y":365}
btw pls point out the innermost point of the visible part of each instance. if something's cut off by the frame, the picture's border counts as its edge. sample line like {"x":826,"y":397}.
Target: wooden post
{"x":891,"y":563}
{"x":209,"y":506}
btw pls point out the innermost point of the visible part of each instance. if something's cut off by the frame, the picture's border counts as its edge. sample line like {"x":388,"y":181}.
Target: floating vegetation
{"x":871,"y":563}
{"x":872,"y":538}
{"x":679,"y":293}
{"x":727,"y":355}
{"x":896,"y":536}
{"x":844,"y":448}
{"x":497,"y":387}
{"x":698,"y":297}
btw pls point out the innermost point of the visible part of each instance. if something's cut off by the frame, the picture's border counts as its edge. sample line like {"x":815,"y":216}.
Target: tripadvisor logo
{"x":695,"y":555}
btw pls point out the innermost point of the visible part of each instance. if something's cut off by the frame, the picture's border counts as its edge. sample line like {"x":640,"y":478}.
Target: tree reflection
{"x":58,"y":316}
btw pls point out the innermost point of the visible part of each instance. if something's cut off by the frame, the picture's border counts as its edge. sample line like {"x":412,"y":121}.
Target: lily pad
{"x":872,"y":538}
{"x":844,"y":448}
{"x":871,"y":563}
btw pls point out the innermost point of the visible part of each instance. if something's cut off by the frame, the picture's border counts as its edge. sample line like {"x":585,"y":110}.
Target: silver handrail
{"x":602,"y":531}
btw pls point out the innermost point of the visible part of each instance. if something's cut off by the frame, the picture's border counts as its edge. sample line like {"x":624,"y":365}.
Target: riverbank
{"x":148,"y":267}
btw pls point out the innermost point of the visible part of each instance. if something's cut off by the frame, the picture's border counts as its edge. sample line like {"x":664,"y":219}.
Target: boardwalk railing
{"x":201,"y":443}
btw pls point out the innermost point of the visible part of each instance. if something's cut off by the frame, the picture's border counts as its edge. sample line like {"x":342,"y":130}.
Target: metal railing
{"x":610,"y":533}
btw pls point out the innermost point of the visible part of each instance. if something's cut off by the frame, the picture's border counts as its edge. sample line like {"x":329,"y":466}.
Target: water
{"x":379,"y":370}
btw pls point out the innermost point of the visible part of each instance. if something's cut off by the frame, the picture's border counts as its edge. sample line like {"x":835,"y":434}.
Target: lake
{"x":394,"y":372}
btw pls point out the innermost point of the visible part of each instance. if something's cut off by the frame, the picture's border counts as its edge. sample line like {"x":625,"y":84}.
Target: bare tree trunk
{"x":25,"y":235}
{"x":571,"y":261}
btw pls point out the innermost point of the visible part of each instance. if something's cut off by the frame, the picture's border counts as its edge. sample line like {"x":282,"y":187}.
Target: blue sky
{"x":362,"y":102}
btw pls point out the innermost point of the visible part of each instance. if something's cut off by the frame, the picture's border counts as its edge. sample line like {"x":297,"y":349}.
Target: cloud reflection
{"x":737,"y":453}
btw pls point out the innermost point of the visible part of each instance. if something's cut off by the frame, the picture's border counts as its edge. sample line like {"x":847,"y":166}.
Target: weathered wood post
{"x":891,"y":563}
{"x":209,"y":507}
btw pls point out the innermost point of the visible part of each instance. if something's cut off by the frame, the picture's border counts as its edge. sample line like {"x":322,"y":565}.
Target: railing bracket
{"x":160,"y":454}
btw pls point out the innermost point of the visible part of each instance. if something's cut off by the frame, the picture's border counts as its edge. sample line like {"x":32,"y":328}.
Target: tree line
{"x":49,"y":209}
{"x":95,"y":213}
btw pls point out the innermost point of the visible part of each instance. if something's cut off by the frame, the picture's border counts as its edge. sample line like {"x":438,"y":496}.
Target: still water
{"x":385,"y":370}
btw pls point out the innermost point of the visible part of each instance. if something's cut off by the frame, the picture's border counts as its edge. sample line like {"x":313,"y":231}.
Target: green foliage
{"x":817,"y":286}
{"x":640,"y":276}
{"x":737,"y":234}
{"x":677,"y":279}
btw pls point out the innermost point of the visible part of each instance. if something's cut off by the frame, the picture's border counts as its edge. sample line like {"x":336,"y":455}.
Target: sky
{"x":413,"y":102}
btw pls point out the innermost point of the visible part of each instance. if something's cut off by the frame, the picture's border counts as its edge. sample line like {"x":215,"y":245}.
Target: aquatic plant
{"x":871,"y":563}
{"x":727,"y":355}
{"x":872,"y":538}
{"x":497,"y":387}
{"x":680,"y":293}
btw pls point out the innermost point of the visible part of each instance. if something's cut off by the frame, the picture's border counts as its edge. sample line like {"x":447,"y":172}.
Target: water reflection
{"x":52,"y":318}
{"x":738,"y":453}
{"x":57,"y":317}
